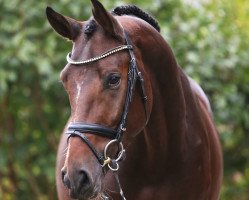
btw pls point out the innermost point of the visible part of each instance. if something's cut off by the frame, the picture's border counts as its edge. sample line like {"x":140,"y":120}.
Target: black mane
{"x":91,"y":26}
{"x":134,"y":10}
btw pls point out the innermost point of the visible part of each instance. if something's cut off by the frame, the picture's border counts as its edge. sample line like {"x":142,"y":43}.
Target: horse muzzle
{"x":80,"y":184}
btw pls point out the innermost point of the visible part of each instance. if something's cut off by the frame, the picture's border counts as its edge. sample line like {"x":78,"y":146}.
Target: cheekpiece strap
{"x":133,"y":75}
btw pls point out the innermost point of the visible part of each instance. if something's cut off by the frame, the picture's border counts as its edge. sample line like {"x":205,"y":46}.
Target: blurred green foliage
{"x":210,"y":39}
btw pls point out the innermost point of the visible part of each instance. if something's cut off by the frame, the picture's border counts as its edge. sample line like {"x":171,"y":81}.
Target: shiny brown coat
{"x":176,"y":155}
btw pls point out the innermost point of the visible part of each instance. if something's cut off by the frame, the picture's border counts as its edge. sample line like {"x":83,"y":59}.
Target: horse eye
{"x":113,"y":80}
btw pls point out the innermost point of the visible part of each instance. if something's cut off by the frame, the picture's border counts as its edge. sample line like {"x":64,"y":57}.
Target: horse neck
{"x":164,"y":132}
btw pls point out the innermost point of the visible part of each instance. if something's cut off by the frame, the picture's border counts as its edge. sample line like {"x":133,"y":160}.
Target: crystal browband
{"x":107,"y":53}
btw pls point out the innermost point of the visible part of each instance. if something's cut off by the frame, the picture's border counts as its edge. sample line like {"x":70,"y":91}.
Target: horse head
{"x":100,"y":81}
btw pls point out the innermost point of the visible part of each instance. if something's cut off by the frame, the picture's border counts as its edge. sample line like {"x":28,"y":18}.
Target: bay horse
{"x":139,"y":128}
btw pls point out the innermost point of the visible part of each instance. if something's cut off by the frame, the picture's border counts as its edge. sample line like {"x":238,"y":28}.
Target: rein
{"x":80,"y":128}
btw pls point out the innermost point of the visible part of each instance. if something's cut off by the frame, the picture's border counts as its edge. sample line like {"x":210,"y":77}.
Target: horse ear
{"x":106,"y":20}
{"x":65,"y":26}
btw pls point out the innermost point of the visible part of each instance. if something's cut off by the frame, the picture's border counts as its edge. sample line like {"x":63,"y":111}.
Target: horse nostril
{"x":63,"y":173}
{"x":83,"y":178}
{"x":65,"y":179}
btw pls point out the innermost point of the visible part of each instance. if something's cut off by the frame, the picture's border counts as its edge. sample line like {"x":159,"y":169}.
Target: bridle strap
{"x":133,"y":75}
{"x":92,"y":128}
{"x":78,"y":129}
{"x":103,"y":55}
{"x":139,"y":75}
{"x":83,"y":137}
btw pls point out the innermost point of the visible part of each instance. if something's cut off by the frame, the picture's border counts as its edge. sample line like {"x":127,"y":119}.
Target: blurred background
{"x":210,"y":39}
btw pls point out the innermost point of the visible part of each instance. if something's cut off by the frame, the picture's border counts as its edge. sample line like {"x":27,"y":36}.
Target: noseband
{"x":78,"y":129}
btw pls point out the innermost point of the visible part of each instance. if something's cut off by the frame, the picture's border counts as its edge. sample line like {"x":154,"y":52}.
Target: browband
{"x":103,"y":55}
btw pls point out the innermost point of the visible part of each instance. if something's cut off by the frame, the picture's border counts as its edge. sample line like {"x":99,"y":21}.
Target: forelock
{"x":90,"y":28}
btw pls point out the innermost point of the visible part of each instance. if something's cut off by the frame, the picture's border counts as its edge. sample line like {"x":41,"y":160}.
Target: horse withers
{"x":139,"y":129}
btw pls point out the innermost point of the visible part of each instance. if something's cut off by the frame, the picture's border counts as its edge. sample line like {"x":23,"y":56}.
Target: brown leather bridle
{"x":79,"y":129}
